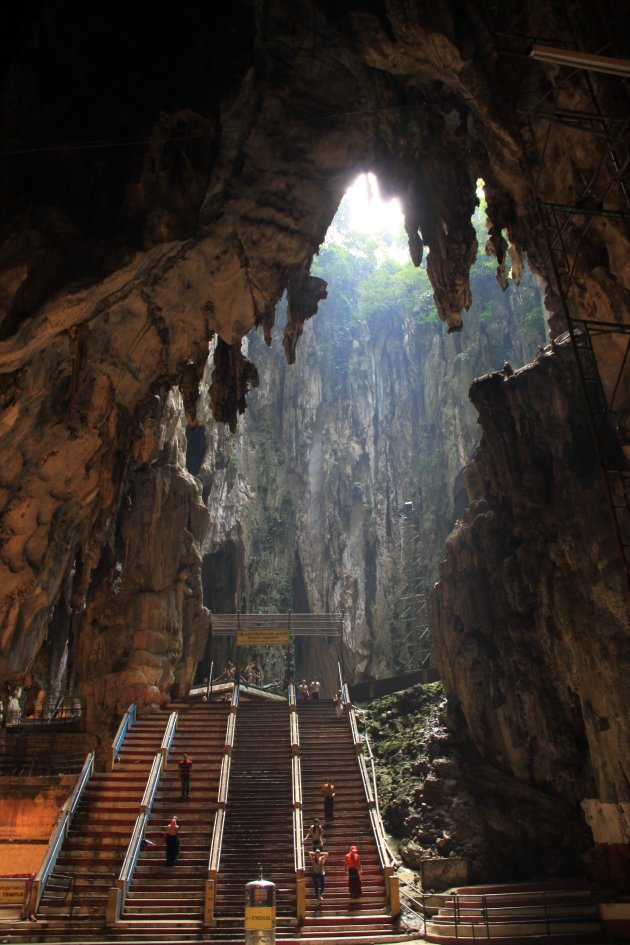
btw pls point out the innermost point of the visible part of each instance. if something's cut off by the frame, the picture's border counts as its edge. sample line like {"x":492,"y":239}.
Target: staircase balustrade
{"x":59,"y":834}
{"x":126,"y":723}
{"x":299,"y":864}
{"x":535,"y":914}
{"x":152,"y":784}
{"x":386,"y":858}
{"x":298,"y":821}
{"x":209,"y":686}
{"x":214,"y":859}
{"x":119,"y":892}
{"x":169,"y":735}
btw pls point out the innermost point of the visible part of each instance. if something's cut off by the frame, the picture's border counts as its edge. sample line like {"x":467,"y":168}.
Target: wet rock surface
{"x":440,"y":799}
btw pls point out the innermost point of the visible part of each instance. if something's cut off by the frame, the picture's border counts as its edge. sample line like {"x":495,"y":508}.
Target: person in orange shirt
{"x":328,"y":790}
{"x":354,"y":871}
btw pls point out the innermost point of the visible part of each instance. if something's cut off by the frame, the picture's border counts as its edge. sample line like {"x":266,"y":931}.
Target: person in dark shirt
{"x":185,"y":767}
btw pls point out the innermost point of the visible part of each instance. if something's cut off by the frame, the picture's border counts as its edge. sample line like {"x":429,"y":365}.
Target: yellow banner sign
{"x":12,"y":891}
{"x":259,"y":917}
{"x":265,"y":636}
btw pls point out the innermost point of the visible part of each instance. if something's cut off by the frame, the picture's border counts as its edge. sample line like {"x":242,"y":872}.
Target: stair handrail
{"x":59,"y":834}
{"x":296,"y":781}
{"x":417,"y":907}
{"x":291,"y":696}
{"x":454,"y":901}
{"x":294,"y":732}
{"x":209,"y":686}
{"x":354,"y":728}
{"x":367,"y":785}
{"x":224,"y":780}
{"x":152,"y":784}
{"x":299,"y":856}
{"x":214,"y":862}
{"x":297,"y":800}
{"x":167,"y":738}
{"x":370,"y":759}
{"x":387,"y":859}
{"x":120,"y":890}
{"x":126,"y":723}
{"x":214,"y":858}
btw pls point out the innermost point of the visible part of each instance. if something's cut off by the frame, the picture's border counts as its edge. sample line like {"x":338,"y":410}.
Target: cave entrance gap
{"x":368,"y":420}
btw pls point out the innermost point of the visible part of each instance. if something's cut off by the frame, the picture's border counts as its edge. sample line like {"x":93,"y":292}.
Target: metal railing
{"x":59,"y":834}
{"x":126,"y":723}
{"x":386,"y":858}
{"x":479,"y":915}
{"x":299,"y":858}
{"x":209,"y":686}
{"x":415,"y":902}
{"x":119,"y":892}
{"x":65,"y":883}
{"x":169,"y":735}
{"x":216,"y":844}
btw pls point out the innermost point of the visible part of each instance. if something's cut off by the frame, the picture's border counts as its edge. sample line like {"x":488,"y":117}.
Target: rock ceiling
{"x":164,"y":181}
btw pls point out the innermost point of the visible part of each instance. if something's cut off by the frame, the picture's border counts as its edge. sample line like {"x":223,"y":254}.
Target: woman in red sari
{"x":354,"y":871}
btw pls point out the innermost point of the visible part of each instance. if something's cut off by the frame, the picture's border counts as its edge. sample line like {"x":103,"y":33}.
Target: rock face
{"x":309,"y":497}
{"x":441,"y":799}
{"x":531,"y":580}
{"x":164,"y":180}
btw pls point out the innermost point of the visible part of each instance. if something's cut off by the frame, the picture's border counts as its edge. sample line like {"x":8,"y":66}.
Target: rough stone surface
{"x":530,"y":598}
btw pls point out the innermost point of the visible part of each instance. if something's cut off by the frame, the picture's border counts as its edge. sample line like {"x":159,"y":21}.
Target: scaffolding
{"x":415,"y":632}
{"x":600,"y":200}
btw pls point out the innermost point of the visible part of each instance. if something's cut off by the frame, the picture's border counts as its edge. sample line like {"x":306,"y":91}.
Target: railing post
{"x":209,"y":899}
{"x":300,"y":896}
{"x":114,"y":905}
{"x":393,"y":892}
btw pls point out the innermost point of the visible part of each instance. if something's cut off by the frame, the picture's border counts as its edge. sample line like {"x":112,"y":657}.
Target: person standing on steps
{"x":338,"y":702}
{"x":185,"y":767}
{"x":315,"y":835}
{"x":354,"y":870}
{"x":318,"y":865}
{"x":314,"y":688}
{"x":328,"y":790}
{"x":172,"y":841}
{"x":304,"y":691}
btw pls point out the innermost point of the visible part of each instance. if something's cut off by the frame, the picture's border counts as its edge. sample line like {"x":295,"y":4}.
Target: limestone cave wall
{"x":309,"y":495}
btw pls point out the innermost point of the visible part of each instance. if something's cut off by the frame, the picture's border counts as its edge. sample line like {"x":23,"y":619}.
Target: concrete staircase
{"x":168,"y":902}
{"x":94,"y":849}
{"x":327,"y":753}
{"x":516,"y":915}
{"x":258,"y":826}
